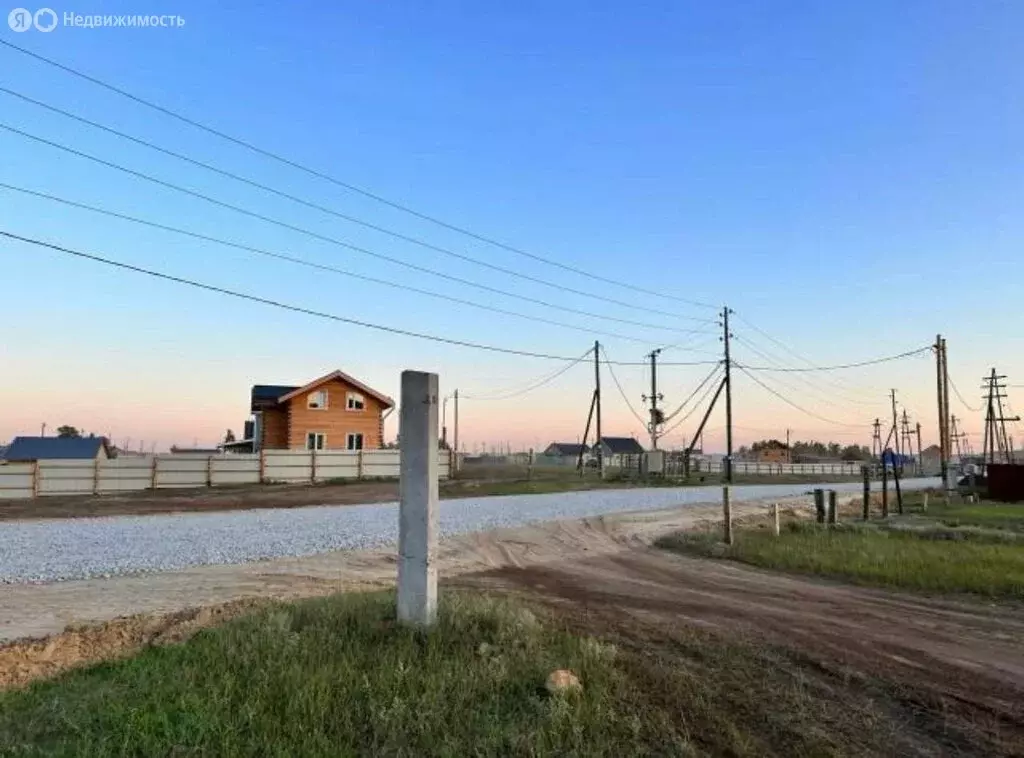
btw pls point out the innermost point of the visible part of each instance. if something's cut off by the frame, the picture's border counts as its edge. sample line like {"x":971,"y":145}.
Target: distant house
{"x":617,"y":450}
{"x":566,"y":452}
{"x":773,"y":451}
{"x":28,"y":449}
{"x":334,"y":412}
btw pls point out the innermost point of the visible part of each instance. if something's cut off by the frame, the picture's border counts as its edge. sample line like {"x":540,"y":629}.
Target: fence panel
{"x":16,"y":480}
{"x":243,"y":468}
{"x":337,"y":464}
{"x":125,"y":474}
{"x":288,"y":466}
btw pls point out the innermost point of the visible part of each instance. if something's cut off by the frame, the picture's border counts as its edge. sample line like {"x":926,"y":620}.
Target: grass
{"x":929,"y":560}
{"x":338,"y":677}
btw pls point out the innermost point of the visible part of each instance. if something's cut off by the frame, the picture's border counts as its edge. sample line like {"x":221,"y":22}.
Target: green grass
{"x":338,"y":677}
{"x":1008,"y":516}
{"x":938,"y":561}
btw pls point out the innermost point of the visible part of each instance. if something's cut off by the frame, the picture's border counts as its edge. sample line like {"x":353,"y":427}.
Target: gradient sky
{"x":847,"y":177}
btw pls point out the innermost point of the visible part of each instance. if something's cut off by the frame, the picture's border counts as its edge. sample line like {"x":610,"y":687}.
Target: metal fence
{"x":155,"y":472}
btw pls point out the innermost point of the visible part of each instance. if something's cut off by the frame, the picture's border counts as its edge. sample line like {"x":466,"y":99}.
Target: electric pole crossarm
{"x":703,"y":421}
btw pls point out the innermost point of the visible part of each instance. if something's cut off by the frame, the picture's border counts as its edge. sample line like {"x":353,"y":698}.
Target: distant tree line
{"x":810,"y":450}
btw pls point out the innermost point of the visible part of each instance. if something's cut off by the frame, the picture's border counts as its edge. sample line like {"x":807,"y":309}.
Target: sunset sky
{"x":849,"y":178}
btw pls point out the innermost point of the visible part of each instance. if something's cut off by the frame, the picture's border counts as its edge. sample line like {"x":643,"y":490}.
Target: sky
{"x":846,"y":177}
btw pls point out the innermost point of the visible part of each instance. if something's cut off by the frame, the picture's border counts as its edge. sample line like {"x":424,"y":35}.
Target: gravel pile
{"x":45,"y":551}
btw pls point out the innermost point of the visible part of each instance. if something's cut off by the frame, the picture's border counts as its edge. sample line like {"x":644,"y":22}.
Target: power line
{"x":536,"y":385}
{"x":682,"y":405}
{"x":345,"y":185}
{"x":786,"y":400}
{"x":622,"y":392}
{"x":325,"y":238}
{"x":312,"y":264}
{"x":871,"y":362}
{"x":289,"y":307}
{"x":698,"y":404}
{"x":330,"y":211}
{"x":961,"y":397}
{"x":813,"y":388}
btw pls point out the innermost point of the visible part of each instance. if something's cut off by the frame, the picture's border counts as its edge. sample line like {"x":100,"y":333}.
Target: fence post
{"x":775,"y":518}
{"x":263,"y":467}
{"x":209,"y":471}
{"x":833,"y":507}
{"x":417,"y":486}
{"x":885,"y":490}
{"x":727,"y":514}
{"x":35,"y":478}
{"x":819,"y":505}
{"x":359,"y":465}
{"x":865,"y":472}
{"x":152,"y":474}
{"x":312,"y":466}
{"x":924,"y":503}
{"x":96,"y":477}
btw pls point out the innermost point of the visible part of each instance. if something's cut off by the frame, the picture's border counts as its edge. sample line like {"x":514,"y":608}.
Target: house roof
{"x":43,"y":448}
{"x":622,"y":445}
{"x":264,"y":395}
{"x":387,"y":401}
{"x":569,"y":448}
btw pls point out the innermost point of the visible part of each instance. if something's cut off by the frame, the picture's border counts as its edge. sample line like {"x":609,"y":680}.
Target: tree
{"x":229,"y":437}
{"x":68,"y":431}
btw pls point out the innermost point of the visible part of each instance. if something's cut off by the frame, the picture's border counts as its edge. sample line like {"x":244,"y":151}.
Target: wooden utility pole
{"x":942,"y":394}
{"x":728,"y":395}
{"x":597,"y":405}
{"x":947,"y":446}
{"x":654,"y":398}
{"x":895,"y":433}
{"x":789,"y":449}
{"x":920,"y":457}
{"x":456,"y":439}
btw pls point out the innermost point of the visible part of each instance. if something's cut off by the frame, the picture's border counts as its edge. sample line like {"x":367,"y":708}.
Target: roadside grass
{"x":987,"y":513}
{"x":338,"y":677}
{"x":927,"y":560}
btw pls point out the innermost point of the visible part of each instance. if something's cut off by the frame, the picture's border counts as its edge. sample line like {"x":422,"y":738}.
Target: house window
{"x":354,"y":442}
{"x":355,"y":402}
{"x":317,"y":400}
{"x":316,"y":440}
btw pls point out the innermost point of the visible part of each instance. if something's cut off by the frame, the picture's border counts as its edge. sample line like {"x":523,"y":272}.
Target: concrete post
{"x":417,"y":519}
{"x":727,"y":514}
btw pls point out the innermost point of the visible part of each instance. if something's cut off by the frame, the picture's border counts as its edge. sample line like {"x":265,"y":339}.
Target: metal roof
{"x":46,"y":448}
{"x":622,"y":445}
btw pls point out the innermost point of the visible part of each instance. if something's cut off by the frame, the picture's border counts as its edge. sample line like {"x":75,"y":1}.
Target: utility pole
{"x":995,"y":421}
{"x":654,"y":398}
{"x":920,"y":458}
{"x":728,"y":395}
{"x":444,"y":423}
{"x":947,"y":445}
{"x":895,"y":433}
{"x":940,"y":393}
{"x":456,"y":440}
{"x":876,"y":439}
{"x":42,"y":431}
{"x":597,"y":405}
{"x":789,"y":450}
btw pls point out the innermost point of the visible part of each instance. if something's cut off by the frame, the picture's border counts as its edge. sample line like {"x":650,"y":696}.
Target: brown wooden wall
{"x":335,"y":421}
{"x":275,"y":429}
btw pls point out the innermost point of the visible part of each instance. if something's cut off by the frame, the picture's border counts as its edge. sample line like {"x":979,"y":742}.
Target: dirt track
{"x":964,"y":652}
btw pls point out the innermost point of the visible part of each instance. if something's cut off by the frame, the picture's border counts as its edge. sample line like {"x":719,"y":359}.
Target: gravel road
{"x":46,"y":551}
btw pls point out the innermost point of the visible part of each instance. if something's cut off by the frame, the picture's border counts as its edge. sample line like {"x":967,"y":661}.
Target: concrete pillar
{"x":417,"y":487}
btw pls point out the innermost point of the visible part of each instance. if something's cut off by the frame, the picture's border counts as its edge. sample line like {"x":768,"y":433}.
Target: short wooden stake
{"x":924,"y":503}
{"x":833,"y":507}
{"x":775,"y":518}
{"x":727,"y":514}
{"x":819,"y":505}
{"x":885,"y":491}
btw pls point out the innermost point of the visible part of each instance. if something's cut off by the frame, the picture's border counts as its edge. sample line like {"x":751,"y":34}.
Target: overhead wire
{"x":622,"y":392}
{"x":533,"y":386}
{"x":789,"y":402}
{"x":682,"y":405}
{"x":698,"y":404}
{"x":288,"y":306}
{"x":317,"y":266}
{"x":345,"y":185}
{"x":329,"y":239}
{"x":956,"y":391}
{"x":337,"y":214}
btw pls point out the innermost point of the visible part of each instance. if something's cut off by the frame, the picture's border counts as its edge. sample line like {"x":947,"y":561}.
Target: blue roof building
{"x":26,"y":449}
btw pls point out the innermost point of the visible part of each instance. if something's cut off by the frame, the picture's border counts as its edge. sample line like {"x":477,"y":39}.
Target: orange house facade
{"x":334,"y":412}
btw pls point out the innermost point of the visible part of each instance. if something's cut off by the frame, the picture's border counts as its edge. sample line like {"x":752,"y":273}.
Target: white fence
{"x":155,"y":472}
